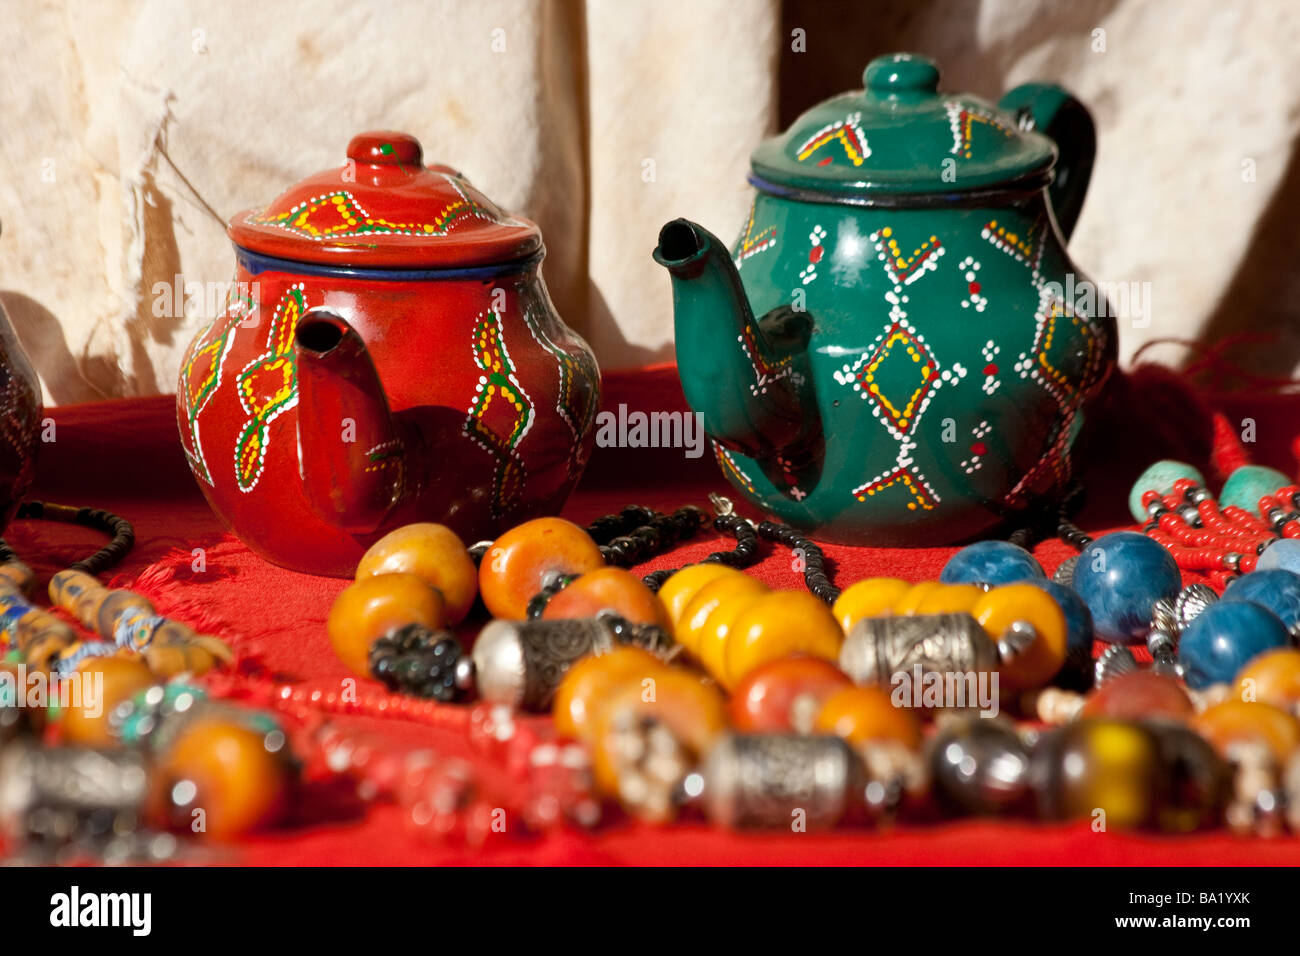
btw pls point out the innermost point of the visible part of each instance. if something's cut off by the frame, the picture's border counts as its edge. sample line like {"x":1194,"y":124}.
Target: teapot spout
{"x":350,"y":449}
{"x":745,"y":376}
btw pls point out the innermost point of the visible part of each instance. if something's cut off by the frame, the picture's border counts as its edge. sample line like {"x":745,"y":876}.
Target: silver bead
{"x":1163,"y":616}
{"x":1064,"y":573}
{"x":778,"y":780}
{"x":1015,"y":640}
{"x":1191,"y":601}
{"x":1162,"y":644}
{"x":877,"y":648}
{"x":52,"y":791}
{"x":980,"y":765}
{"x":1114,"y":661}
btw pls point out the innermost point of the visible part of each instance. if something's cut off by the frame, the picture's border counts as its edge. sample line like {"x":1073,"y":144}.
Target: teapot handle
{"x":1054,"y":112}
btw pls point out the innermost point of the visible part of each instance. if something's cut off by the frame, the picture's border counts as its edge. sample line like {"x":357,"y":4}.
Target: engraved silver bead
{"x":1114,"y":661}
{"x":1191,"y":601}
{"x":1064,"y":573}
{"x":879,"y":647}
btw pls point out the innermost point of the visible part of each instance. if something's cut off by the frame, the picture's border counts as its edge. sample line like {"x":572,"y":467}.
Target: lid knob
{"x":386,"y":148}
{"x":901,"y":74}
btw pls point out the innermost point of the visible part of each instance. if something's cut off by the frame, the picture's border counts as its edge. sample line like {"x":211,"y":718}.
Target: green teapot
{"x":898,"y":350}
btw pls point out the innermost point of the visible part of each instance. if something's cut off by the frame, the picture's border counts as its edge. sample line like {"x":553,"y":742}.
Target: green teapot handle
{"x":1054,"y":112}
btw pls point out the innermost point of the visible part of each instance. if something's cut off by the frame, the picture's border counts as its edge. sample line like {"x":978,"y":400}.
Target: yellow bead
{"x":950,"y":599}
{"x":706,"y":617}
{"x":678,"y":590}
{"x":916,"y":595}
{"x":870,"y":598}
{"x":1003,"y":606}
{"x":778,"y":624}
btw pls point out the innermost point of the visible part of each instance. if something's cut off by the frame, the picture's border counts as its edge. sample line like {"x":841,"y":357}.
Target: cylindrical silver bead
{"x":52,"y":791}
{"x":521,"y":663}
{"x":879,"y":647}
{"x":780,"y":780}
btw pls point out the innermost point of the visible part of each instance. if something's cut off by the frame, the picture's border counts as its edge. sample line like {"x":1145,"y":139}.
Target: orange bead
{"x":1273,"y":678}
{"x":692,"y":709}
{"x":916,"y":595}
{"x":367,"y":609}
{"x":514,"y":568}
{"x":950,"y":599}
{"x":683,"y":585}
{"x":776,"y":625}
{"x":221,"y":767}
{"x":1002,"y":607}
{"x":766,"y":699}
{"x":608,"y":589}
{"x":102,"y":684}
{"x":1235,"y":721}
{"x":592,"y":680}
{"x":869,"y":598}
{"x":430,"y":551}
{"x":862,"y":714}
{"x":1139,"y":695}
{"x":702,"y":628}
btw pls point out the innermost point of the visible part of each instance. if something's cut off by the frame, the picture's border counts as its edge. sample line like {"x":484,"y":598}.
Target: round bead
{"x":1272,"y":678}
{"x":1225,"y":637}
{"x":868,"y":598}
{"x":766,"y":700}
{"x":1238,"y":721}
{"x":950,"y":599}
{"x":104,"y":682}
{"x":1078,"y":619}
{"x":991,"y":562}
{"x":517,"y":565}
{"x":980,"y":766}
{"x":1283,"y":553}
{"x":915,"y":596}
{"x":1160,"y":477}
{"x":681,"y":586}
{"x":1138,"y":695}
{"x":367,"y":609}
{"x":862,"y":714}
{"x":776,"y":625}
{"x":1248,"y":484}
{"x":590,"y":682}
{"x":1277,"y":590}
{"x":1111,"y":766}
{"x":430,"y":551}
{"x":706,"y":618}
{"x":1009,"y":604}
{"x":1196,"y":781}
{"x":608,"y":588}
{"x":1120,"y":577}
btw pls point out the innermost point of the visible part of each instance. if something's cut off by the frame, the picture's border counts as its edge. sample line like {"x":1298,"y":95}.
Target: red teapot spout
{"x":350,"y":447}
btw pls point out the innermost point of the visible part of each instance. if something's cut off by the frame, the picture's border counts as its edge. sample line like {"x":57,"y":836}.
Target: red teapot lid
{"x":385,"y":209}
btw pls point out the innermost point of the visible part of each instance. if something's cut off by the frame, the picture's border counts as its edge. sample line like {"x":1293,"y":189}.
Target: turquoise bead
{"x":1120,"y":577}
{"x":1224,"y":638}
{"x":1284,"y":554}
{"x":991,"y":562}
{"x":1248,"y":484}
{"x":1159,"y":477}
{"x":1276,"y":589}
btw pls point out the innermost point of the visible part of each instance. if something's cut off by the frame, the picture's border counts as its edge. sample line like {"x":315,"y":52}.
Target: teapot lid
{"x":901,"y":136}
{"x":385,"y":209}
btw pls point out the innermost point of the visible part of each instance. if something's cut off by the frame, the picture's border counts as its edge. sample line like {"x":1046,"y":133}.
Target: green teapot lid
{"x":901,"y":136}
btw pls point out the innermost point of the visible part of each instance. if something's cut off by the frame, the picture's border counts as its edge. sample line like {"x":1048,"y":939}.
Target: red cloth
{"x":124,"y":456}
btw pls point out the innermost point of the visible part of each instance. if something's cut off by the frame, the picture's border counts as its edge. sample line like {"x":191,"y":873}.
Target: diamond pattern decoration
{"x":267,"y":388}
{"x":501,"y":412}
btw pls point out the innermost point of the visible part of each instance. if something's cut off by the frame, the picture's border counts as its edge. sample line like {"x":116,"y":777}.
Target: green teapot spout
{"x":747,"y":377}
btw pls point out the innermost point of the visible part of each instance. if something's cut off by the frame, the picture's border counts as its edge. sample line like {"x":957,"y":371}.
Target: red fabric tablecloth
{"x":124,"y":456}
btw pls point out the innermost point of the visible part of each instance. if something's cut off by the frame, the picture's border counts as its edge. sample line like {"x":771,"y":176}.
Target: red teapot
{"x":388,"y":354}
{"x":20,"y":421}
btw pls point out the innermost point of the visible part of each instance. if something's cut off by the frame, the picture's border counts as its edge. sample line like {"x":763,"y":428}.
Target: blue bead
{"x":1277,"y":590}
{"x":1283,"y":553}
{"x":1159,"y":477}
{"x":991,"y":562}
{"x":1120,"y":577}
{"x":1224,"y":638}
{"x":1247,"y":484}
{"x":1078,"y":619}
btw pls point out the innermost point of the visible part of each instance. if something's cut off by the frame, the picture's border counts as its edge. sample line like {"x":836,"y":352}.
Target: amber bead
{"x":373,"y":606}
{"x":1272,"y":678}
{"x":917,"y":595}
{"x":950,"y":599}
{"x":692,"y":709}
{"x":608,"y":589}
{"x":1239,"y":721}
{"x":519,"y":562}
{"x":869,"y":598}
{"x":1105,"y":771}
{"x":683,"y":585}
{"x":222,"y":767}
{"x":430,"y":551}
{"x":863,"y":714}
{"x":768,"y":699}
{"x":592,"y":680}
{"x":775,"y":625}
{"x":706,"y":618}
{"x":1002,"y":607}
{"x":1195,"y":782}
{"x":1138,"y":695}
{"x":122,"y":676}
